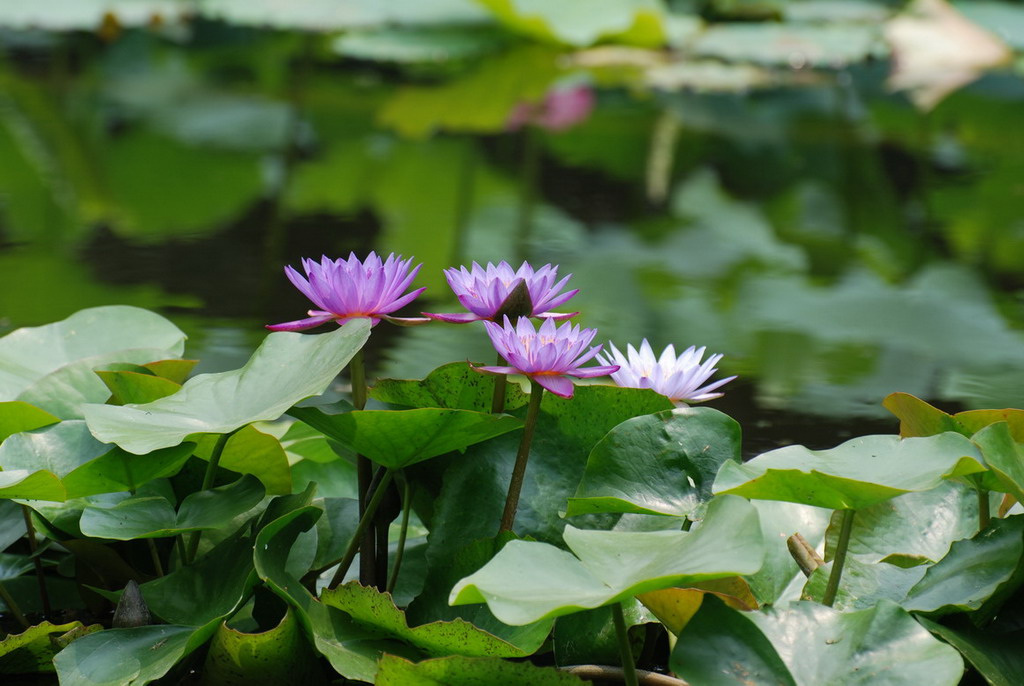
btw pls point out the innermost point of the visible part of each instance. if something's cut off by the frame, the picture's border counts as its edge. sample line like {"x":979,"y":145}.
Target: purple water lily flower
{"x":678,"y":378}
{"x":353,"y":289}
{"x":497,"y":290}
{"x":547,"y":355}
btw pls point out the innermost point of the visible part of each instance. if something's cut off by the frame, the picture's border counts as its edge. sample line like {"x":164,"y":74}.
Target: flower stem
{"x":500,"y":384}
{"x":364,"y":474}
{"x":628,"y":666}
{"x":845,"y":528}
{"x":361,"y":529}
{"x":508,"y":517}
{"x":403,"y":532}
{"x":984,"y":512}
{"x":154,"y":555}
{"x":30,"y":533}
{"x":211,"y":472}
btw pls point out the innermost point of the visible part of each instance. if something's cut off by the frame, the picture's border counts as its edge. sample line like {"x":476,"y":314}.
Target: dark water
{"x":833,"y":241}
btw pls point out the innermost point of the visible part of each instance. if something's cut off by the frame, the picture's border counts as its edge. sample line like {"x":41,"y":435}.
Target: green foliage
{"x":655,"y":490}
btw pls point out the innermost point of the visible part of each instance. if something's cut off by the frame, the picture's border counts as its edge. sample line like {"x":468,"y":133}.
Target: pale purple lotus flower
{"x":497,"y":290}
{"x":547,"y":355}
{"x":678,"y":378}
{"x":353,"y":289}
{"x":561,"y":109}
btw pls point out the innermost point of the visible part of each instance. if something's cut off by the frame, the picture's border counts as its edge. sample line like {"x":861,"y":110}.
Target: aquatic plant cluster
{"x":601,"y":531}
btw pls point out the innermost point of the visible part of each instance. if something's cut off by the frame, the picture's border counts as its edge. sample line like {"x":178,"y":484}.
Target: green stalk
{"x":30,"y":532}
{"x":500,"y":384}
{"x":364,"y":525}
{"x":984,"y":512}
{"x":13,"y":608}
{"x":211,"y":472}
{"x":508,"y":517}
{"x":845,"y":528}
{"x":403,"y":532}
{"x":628,"y":666}
{"x":154,"y":555}
{"x":364,"y":474}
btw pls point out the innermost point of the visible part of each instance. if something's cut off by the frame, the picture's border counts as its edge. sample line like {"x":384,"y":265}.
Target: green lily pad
{"x":83,"y":465}
{"x":409,"y":45}
{"x":281,"y":655}
{"x":864,"y":583}
{"x":1004,"y":456}
{"x":915,"y":525}
{"x":996,"y":656}
{"x":528,"y":581}
{"x":29,"y":485}
{"x":452,"y":386}
{"x":250,"y":451}
{"x":991,"y":561}
{"x":128,"y":387}
{"x":580,"y":23}
{"x":154,"y":516}
{"x":17,"y":416}
{"x":124,"y":656}
{"x":646,"y":465}
{"x":52,"y":366}
{"x":29,"y":354}
{"x":469,"y":671}
{"x":286,"y":368}
{"x":859,"y":473}
{"x":399,"y":438}
{"x":207,"y":590}
{"x":352,"y":650}
{"x":32,"y":651}
{"x":377,"y":610}
{"x":807,"y":644}
{"x":774,"y":44}
{"x":918,"y":418}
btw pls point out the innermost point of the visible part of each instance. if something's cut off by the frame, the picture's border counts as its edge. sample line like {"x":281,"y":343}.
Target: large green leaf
{"x":370,"y":608}
{"x":663,"y":463}
{"x":432,"y":603}
{"x":146,"y":516}
{"x":1004,"y":456}
{"x":399,"y":438}
{"x":996,"y":656}
{"x":207,"y":590}
{"x":32,"y":650}
{"x":915,"y":527}
{"x":469,"y":671}
{"x":285,"y":369}
{"x":452,"y":386}
{"x":31,"y":485}
{"x":128,"y":386}
{"x":30,"y":354}
{"x":779,"y":579}
{"x":351,"y":649}
{"x":807,"y":644}
{"x":280,"y":655}
{"x":859,"y":473}
{"x":118,"y":657}
{"x":528,"y":581}
{"x":17,"y":416}
{"x":584,"y":22}
{"x":250,"y":451}
{"x":567,"y":430}
{"x":918,"y":418}
{"x":52,"y":366}
{"x":991,"y":561}
{"x":84,"y":465}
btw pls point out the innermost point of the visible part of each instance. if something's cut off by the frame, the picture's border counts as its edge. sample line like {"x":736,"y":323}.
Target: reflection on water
{"x":836,"y":243}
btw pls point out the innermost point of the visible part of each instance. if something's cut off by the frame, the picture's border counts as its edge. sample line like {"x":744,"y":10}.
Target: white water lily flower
{"x":678,"y":378}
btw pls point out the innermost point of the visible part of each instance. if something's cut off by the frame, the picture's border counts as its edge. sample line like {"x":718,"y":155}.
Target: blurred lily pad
{"x":580,"y":23}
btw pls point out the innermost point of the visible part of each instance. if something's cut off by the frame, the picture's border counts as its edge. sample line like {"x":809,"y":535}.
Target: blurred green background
{"x":829,"y":192}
